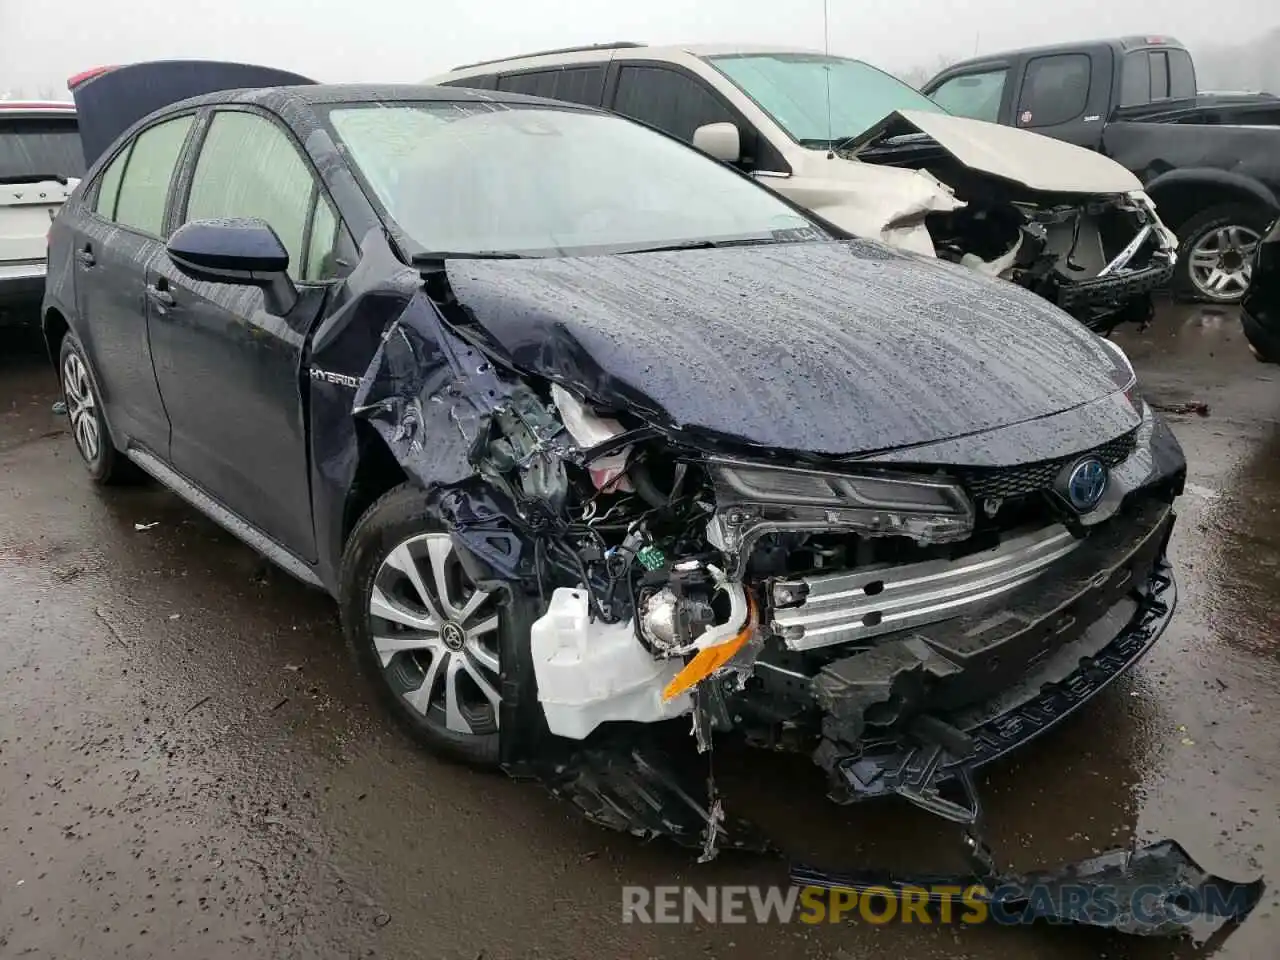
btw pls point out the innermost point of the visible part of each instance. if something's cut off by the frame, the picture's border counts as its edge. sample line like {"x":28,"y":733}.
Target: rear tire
{"x":424,"y":635}
{"x":1215,"y":253}
{"x":106,"y":465}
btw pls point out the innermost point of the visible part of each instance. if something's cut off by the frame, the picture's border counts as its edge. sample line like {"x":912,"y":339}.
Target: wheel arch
{"x":54,"y":328}
{"x":377,"y":473}
{"x":1181,"y":194}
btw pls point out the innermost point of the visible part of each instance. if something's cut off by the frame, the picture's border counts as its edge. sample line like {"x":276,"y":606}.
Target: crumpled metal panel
{"x":827,"y":348}
{"x":426,"y":393}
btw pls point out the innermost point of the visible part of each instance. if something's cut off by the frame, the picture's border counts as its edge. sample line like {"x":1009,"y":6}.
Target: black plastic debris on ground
{"x":1156,"y":890}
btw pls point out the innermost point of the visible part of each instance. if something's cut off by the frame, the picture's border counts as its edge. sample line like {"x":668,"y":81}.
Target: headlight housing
{"x":753,"y":499}
{"x":1123,"y":374}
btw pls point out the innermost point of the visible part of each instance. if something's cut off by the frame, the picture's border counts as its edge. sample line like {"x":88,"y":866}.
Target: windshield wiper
{"x":705,"y":245}
{"x":436,"y":257}
{"x":825,"y":144}
{"x":33,"y":178}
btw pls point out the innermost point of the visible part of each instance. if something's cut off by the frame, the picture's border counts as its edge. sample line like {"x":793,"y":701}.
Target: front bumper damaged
{"x":1117,"y":583}
{"x":918,"y":771}
{"x":1154,"y":890}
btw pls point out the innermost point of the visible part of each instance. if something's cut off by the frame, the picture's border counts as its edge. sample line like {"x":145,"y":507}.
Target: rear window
{"x":35,"y":145}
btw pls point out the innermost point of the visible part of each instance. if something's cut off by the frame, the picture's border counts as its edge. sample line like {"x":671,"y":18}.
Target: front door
{"x":230,"y":372}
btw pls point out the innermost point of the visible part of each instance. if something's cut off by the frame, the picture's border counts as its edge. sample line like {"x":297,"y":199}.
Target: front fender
{"x":1192,"y":177}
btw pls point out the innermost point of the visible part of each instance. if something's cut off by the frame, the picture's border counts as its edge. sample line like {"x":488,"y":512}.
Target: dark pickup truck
{"x":1211,"y":162}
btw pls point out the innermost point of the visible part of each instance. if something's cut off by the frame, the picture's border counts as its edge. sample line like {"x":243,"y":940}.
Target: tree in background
{"x":1246,"y":66}
{"x":918,"y":76}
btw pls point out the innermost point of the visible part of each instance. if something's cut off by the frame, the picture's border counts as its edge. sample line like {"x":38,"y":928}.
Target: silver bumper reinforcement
{"x":821,"y":611}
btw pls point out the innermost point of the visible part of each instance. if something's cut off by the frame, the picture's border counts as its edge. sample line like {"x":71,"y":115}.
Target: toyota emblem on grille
{"x":1086,"y":483}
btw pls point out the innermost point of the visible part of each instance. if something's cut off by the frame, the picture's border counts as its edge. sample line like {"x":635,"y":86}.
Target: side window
{"x":1135,"y":80}
{"x":540,"y":83}
{"x":144,"y":187}
{"x":575,"y":84}
{"x":249,"y":167}
{"x":1055,"y":90}
{"x":670,"y":101}
{"x":484,"y":82}
{"x":109,"y":186}
{"x":581,"y":85}
{"x":973,"y":95}
{"x":322,"y":250}
{"x":1182,"y":74}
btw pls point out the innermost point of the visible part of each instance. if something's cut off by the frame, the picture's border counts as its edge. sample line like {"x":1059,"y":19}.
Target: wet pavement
{"x":190,"y":766}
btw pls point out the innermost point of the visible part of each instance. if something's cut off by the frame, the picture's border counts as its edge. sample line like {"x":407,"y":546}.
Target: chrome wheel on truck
{"x":1216,"y":252}
{"x":1222,"y":262}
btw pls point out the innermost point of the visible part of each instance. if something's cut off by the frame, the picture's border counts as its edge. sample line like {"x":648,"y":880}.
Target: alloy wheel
{"x":1222,"y":262}
{"x":82,"y":411}
{"x":436,"y":636}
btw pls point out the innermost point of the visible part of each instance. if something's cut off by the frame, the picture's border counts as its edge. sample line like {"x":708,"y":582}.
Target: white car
{"x":41,"y":162}
{"x":878,"y":159}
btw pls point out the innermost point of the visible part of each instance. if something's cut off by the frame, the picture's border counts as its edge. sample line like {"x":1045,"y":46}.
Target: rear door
{"x":677,"y":102}
{"x":231,"y":372}
{"x":117,"y":233}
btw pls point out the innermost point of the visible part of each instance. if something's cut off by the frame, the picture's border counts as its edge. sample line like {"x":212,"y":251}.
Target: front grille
{"x":1005,"y":482}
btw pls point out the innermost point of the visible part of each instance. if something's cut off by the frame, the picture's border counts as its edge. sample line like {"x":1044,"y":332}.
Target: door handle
{"x":86,"y":257}
{"x":160,"y":296}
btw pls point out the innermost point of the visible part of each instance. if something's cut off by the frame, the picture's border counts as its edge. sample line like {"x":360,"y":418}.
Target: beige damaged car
{"x":871,"y":155}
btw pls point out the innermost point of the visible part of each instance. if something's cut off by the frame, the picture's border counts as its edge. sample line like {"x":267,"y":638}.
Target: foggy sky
{"x":405,"y":40}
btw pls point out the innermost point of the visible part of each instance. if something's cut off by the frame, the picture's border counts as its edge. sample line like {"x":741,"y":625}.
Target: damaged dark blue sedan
{"x":591,"y":436}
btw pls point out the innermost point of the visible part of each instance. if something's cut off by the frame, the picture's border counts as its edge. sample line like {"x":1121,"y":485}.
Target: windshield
{"x":792,"y":89}
{"x":537,"y":180}
{"x":33,"y":145}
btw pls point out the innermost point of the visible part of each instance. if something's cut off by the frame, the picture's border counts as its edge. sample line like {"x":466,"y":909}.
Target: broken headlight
{"x":753,"y":499}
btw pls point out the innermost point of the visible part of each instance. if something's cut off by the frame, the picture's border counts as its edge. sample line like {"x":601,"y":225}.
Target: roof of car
{"x":1118,"y":43}
{"x":599,"y":53}
{"x":296,"y":106}
{"x":322,"y":94}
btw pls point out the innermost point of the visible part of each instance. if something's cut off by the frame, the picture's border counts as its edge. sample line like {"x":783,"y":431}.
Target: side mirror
{"x":719,"y":140}
{"x":245,"y":252}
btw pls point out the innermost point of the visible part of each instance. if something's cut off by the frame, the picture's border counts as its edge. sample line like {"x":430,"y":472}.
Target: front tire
{"x":1215,"y":253}
{"x":424,"y":634}
{"x":106,"y":465}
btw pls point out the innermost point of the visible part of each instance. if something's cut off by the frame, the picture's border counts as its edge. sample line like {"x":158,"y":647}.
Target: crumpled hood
{"x":1020,"y":156}
{"x":824,"y":348}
